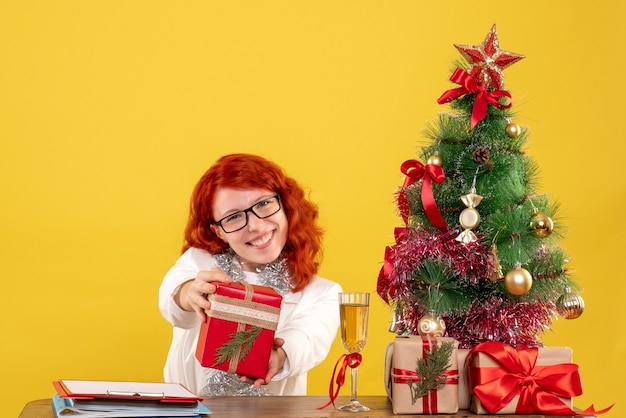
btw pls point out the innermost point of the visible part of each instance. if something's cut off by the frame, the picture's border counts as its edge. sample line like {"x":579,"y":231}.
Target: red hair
{"x":303,"y":248}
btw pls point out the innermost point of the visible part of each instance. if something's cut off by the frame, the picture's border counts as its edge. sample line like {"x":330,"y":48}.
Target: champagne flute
{"x":353,"y":312}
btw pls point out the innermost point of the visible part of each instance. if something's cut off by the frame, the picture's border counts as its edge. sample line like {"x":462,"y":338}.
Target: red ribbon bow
{"x":415,"y":170}
{"x":384,"y":286}
{"x":538,"y":387}
{"x":351,"y":360}
{"x":483,"y":96}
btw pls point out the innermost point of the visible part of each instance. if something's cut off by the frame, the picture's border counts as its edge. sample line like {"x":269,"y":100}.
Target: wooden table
{"x":285,"y":407}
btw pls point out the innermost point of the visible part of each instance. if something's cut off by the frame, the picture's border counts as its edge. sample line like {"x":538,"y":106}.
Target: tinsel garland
{"x":275,"y":275}
{"x":493,"y":318}
{"x":499,"y":319}
{"x":467,"y":261}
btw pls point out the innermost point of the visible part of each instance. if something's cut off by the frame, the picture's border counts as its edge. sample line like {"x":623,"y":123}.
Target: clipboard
{"x":135,"y":391}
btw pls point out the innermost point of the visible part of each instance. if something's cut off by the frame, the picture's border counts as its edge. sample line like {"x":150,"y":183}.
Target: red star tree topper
{"x":488,"y":59}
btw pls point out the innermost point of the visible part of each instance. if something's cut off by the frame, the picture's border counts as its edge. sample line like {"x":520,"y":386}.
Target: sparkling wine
{"x":353,"y":326}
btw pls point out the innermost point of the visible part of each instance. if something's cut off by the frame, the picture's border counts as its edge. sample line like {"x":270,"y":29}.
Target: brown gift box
{"x":547,"y":356}
{"x":400,"y":364}
{"x":464,"y":389}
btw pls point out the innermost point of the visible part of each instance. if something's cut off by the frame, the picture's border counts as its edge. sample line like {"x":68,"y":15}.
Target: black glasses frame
{"x":246,"y":211}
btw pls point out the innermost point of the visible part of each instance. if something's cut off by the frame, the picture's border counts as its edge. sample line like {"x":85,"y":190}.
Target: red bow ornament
{"x":384,"y":286}
{"x":414,"y":171}
{"x":540,"y":388}
{"x":483,"y":99}
{"x":351,"y":360}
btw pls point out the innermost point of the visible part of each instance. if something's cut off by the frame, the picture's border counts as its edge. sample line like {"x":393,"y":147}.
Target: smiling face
{"x":262,"y":240}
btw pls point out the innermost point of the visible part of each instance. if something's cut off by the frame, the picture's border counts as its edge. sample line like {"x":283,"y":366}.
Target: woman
{"x":248,"y":220}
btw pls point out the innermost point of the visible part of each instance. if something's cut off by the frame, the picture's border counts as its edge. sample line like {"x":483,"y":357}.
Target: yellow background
{"x":110,"y":111}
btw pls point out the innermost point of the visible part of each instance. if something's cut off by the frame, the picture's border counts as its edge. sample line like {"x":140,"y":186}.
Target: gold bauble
{"x":512,"y":130}
{"x":435,"y":159}
{"x":469,"y":218}
{"x":431,"y":325}
{"x":518,"y":281}
{"x":570,"y":305}
{"x":542,"y":224}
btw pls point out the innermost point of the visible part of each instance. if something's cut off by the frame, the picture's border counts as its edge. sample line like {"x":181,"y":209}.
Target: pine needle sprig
{"x":430,"y":370}
{"x":241,"y":340}
{"x":438,"y":289}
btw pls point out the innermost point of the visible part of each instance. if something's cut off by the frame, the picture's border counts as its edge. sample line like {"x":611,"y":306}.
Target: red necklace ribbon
{"x":538,"y":387}
{"x":414,"y":171}
{"x":351,"y":360}
{"x":483,"y":96}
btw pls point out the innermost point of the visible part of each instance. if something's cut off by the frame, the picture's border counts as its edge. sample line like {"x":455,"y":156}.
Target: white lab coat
{"x":308,"y":323}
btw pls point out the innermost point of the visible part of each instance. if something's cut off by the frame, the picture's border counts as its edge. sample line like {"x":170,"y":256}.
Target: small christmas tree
{"x":478,"y":257}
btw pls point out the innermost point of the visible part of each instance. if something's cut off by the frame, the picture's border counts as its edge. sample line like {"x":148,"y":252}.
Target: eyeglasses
{"x":238,"y":220}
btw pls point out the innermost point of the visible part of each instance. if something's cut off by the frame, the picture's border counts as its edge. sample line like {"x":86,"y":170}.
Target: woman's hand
{"x":192,"y":295}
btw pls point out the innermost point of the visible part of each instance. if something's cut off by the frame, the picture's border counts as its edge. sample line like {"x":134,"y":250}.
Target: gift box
{"x":238,"y":333}
{"x":464,"y":389}
{"x":412,"y":393}
{"x":506,"y":380}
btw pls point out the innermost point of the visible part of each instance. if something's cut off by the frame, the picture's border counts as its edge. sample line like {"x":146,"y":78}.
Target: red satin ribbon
{"x":383,"y":276}
{"x":383,"y":285}
{"x":483,"y":96}
{"x":415,"y":170}
{"x":351,"y":360}
{"x":538,"y":387}
{"x":406,"y":376}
